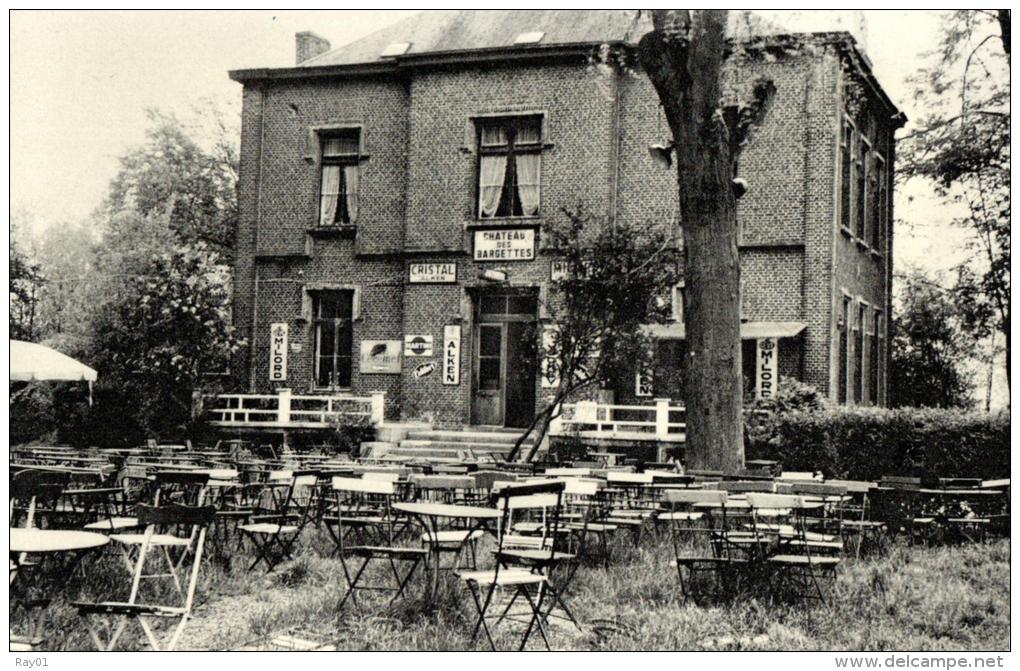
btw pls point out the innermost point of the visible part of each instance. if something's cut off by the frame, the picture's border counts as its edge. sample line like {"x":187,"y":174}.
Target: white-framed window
{"x":339,"y":177}
{"x":509,"y":174}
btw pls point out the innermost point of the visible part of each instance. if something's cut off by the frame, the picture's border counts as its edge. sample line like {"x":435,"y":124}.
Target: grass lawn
{"x":947,"y":598}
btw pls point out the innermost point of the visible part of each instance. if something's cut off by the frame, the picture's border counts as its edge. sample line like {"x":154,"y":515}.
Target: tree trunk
{"x":684,"y":59}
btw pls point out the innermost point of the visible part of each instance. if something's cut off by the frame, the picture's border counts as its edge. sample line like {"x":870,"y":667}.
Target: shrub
{"x":867,"y":443}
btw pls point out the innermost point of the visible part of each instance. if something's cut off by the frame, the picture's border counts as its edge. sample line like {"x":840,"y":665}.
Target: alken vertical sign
{"x":767,"y":368}
{"x":451,"y":354}
{"x":278,"y":352}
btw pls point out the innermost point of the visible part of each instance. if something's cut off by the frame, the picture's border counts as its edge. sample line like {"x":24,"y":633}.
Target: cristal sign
{"x":432,"y":273}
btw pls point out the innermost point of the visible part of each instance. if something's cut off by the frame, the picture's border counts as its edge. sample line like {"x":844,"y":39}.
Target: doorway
{"x":505,"y":358}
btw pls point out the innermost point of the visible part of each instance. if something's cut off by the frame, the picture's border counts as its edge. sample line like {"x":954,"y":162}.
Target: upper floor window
{"x":861,"y":187}
{"x":878,"y":208}
{"x":846,"y":166}
{"x":509,"y":167}
{"x":338,"y":184}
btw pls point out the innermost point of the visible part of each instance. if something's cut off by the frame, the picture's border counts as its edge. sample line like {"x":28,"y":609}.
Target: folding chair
{"x":34,"y":495}
{"x":543,"y":500}
{"x":452,"y":541}
{"x":701,"y":539}
{"x":353,"y":494}
{"x":798,"y":562}
{"x":858,"y":523}
{"x":532,"y":549}
{"x":274,"y":530}
{"x":158,"y":520}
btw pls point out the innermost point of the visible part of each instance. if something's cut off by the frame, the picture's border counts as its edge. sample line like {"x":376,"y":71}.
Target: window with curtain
{"x":334,"y":338}
{"x":338,"y":184}
{"x":509,"y":167}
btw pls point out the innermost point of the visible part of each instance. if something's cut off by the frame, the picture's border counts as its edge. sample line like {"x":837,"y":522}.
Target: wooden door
{"x":489,"y":374}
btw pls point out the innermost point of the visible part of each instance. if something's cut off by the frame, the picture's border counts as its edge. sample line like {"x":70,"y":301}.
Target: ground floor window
{"x":334,"y":342}
{"x":843,"y":366}
{"x":860,"y":362}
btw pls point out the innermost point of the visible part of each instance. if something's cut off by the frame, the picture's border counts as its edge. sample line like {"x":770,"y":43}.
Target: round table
{"x":43,"y":541}
{"x":429,"y":514}
{"x":47,"y":542}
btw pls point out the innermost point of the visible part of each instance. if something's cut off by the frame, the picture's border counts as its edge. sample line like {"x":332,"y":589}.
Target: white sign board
{"x":550,"y":363}
{"x":380,"y":356}
{"x":558,"y":271}
{"x":432,"y":273}
{"x":278,"y":352}
{"x":507,"y":244}
{"x":766,"y":368}
{"x":644,"y":383}
{"x":417,"y":345}
{"x":451,"y":355}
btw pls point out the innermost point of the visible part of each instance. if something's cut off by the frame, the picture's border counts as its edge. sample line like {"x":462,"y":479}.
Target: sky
{"x":81,"y":82}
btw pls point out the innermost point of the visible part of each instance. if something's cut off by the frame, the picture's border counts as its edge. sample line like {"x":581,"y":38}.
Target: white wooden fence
{"x":663,"y":421}
{"x":287,"y":410}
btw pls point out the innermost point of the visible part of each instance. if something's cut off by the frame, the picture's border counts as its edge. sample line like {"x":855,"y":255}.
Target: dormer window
{"x":509,"y":167}
{"x":338,"y":185}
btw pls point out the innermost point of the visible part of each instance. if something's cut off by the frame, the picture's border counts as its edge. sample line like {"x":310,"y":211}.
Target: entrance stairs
{"x":469,"y":443}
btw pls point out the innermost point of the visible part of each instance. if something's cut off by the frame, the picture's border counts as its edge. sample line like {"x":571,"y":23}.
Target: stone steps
{"x":446,"y":445}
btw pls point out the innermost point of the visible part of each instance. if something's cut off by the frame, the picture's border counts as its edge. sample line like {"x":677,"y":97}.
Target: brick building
{"x":383,"y":182}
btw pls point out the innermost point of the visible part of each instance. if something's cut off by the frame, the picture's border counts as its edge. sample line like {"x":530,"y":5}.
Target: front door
{"x":505,"y":364}
{"x":490,"y":374}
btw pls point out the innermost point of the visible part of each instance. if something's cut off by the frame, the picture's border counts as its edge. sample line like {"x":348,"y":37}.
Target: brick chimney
{"x":308,"y":45}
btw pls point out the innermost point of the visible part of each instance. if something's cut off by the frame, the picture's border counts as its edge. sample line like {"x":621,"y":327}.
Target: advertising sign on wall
{"x":432,"y":273}
{"x":417,"y":345}
{"x":380,"y":356}
{"x":767,"y":368}
{"x":278,"y":352}
{"x":509,"y":244}
{"x":451,"y":354}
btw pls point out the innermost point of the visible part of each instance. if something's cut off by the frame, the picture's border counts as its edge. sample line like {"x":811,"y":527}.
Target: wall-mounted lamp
{"x":739,"y":187}
{"x":662,"y":153}
{"x":492,"y":275}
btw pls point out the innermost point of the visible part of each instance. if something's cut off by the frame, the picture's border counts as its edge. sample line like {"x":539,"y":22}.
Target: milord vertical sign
{"x":767,"y":368}
{"x":451,"y":354}
{"x":278,"y":352}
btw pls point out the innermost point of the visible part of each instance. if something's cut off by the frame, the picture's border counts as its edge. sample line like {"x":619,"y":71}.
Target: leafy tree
{"x":962,"y":146}
{"x":683,"y":57}
{"x":25,"y":279}
{"x":67,"y":253}
{"x":615,"y":275}
{"x":172,"y":173}
{"x":162,"y":327}
{"x":928,"y":349}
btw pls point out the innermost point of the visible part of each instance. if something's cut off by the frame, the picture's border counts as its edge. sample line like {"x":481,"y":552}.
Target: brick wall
{"x":418,"y":195}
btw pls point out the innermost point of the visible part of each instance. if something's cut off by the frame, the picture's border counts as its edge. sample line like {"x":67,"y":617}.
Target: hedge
{"x":867,"y":443}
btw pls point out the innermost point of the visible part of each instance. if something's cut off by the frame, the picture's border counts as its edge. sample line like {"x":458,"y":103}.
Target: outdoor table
{"x":429,"y":516}
{"x":49,"y":543}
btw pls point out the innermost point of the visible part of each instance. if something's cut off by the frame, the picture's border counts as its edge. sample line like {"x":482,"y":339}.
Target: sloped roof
{"x":469,"y":30}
